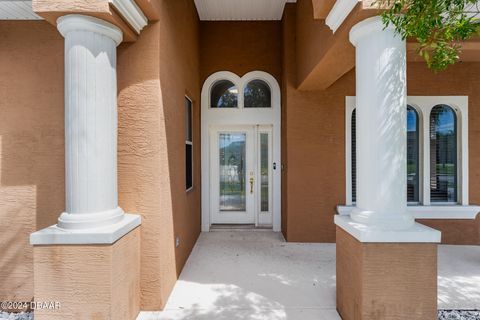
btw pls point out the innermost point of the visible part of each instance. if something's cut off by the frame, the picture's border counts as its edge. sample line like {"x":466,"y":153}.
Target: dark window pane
{"x":223,"y":95}
{"x":188,"y":166}
{"x":413,"y":185}
{"x":188,"y":120}
{"x":443,"y":154}
{"x":354,"y":155}
{"x":257,"y":95}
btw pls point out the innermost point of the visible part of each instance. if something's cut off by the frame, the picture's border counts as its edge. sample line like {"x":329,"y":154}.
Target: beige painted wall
{"x":31,"y":146}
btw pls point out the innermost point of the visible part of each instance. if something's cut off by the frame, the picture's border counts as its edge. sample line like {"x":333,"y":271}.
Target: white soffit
{"x":240,"y":10}
{"x":17,"y":10}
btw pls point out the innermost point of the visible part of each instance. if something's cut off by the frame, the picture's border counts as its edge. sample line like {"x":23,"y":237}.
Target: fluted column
{"x":90,"y":122}
{"x":381,"y":107}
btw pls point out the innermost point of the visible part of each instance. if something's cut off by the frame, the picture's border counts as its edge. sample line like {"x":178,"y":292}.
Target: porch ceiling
{"x":224,"y":10}
{"x":17,"y":10}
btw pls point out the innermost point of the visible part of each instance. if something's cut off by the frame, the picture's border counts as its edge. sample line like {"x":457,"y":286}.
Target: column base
{"x":388,"y":281}
{"x":101,"y":235}
{"x":88,"y":220}
{"x":89,"y":281}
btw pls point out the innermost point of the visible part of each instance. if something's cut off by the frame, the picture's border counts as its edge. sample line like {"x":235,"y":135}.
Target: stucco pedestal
{"x":89,"y":281}
{"x":385,"y":280}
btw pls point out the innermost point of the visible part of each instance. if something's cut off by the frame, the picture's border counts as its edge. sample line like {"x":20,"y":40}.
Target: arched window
{"x":443,"y":154}
{"x":257,"y":95}
{"x":224,"y":94}
{"x":413,"y":139}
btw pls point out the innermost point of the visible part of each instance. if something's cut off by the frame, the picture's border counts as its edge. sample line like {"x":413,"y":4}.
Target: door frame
{"x":212,"y":117}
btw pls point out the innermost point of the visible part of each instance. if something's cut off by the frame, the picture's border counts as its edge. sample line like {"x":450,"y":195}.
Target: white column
{"x":90,"y":122}
{"x":381,"y":107}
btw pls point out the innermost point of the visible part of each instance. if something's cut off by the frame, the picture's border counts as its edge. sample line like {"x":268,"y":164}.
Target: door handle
{"x":251,"y":185}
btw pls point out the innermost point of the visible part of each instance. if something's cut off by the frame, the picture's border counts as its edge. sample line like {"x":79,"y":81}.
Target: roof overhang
{"x":17,"y":10}
{"x":245,"y":10}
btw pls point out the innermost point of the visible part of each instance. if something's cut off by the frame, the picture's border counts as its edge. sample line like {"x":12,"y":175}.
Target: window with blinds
{"x":353,"y":126}
{"x":443,"y":154}
{"x":413,"y":141}
{"x":413,"y":138}
{"x":188,"y":145}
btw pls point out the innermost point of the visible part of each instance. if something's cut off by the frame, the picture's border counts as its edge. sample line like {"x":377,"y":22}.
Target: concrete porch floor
{"x":257,"y":275}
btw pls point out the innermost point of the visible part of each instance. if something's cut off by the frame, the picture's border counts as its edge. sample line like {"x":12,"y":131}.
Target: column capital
{"x":78,"y":22}
{"x":367,"y":27}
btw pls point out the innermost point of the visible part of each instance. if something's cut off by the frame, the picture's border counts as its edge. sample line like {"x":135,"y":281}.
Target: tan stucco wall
{"x":314,"y":130}
{"x":314,"y":127}
{"x":240,"y":47}
{"x":89,"y":281}
{"x":388,"y":281}
{"x":171,"y":58}
{"x":154,"y":75}
{"x":31,"y":146}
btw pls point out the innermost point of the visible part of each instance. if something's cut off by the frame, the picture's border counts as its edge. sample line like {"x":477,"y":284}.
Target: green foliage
{"x":439,"y":26}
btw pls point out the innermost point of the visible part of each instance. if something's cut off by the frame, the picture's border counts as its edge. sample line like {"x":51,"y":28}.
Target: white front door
{"x":241,"y":175}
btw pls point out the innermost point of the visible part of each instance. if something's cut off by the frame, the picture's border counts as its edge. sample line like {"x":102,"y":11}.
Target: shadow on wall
{"x":31,"y":146}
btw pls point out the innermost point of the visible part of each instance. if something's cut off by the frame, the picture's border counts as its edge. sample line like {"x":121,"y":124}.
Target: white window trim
{"x":425,"y":210}
{"x":190,"y":143}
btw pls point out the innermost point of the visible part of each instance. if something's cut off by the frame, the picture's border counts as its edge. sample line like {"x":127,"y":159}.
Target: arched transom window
{"x":256,"y":94}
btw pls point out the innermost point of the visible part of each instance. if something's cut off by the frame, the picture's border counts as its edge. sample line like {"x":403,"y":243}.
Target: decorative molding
{"x":340,"y":11}
{"x":431,"y":212}
{"x":132,"y":13}
{"x":103,"y":235}
{"x":367,"y":27}
{"x":418,"y":233}
{"x":76,"y":22}
{"x":87,"y":220}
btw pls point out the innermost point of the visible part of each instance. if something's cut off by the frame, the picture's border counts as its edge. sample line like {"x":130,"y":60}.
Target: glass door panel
{"x":264,"y":173}
{"x":232,"y":174}
{"x":232,"y":171}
